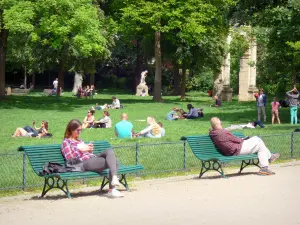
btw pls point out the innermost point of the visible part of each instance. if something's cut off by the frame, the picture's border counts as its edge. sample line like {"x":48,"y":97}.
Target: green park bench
{"x":38,"y":155}
{"x":212,"y":159}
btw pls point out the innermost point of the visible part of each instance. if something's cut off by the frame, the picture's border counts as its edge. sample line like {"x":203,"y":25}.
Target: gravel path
{"x":246,"y":199}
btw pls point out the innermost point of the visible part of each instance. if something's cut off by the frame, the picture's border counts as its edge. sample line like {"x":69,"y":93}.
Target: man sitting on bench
{"x":230,"y":145}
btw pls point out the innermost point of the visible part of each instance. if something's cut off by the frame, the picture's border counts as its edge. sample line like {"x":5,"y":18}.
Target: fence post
{"x":136,"y":153}
{"x":184,"y":154}
{"x":24,"y":171}
{"x":292,"y":145}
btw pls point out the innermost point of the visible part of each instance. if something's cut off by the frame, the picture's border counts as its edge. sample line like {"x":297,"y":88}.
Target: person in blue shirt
{"x":124,"y":129}
{"x":173,"y":114}
{"x":192,"y":114}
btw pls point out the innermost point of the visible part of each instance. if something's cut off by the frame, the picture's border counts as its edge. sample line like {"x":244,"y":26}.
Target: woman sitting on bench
{"x":80,"y":155}
{"x":30,"y":132}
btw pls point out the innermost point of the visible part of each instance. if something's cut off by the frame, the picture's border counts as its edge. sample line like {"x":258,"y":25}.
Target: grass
{"x":19,"y":111}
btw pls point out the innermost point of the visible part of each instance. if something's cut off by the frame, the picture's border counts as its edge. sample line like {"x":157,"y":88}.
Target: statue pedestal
{"x":226,"y":94}
{"x":140,"y":88}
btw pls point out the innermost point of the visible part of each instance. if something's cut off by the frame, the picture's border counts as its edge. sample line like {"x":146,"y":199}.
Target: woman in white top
{"x":105,"y":122}
{"x":152,"y":131}
{"x":115,"y":103}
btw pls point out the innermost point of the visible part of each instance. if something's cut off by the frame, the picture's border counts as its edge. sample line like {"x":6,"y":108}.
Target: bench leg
{"x":211,"y":165}
{"x":104,"y":182}
{"x":249,"y":162}
{"x":125,"y":184}
{"x":53,"y":182}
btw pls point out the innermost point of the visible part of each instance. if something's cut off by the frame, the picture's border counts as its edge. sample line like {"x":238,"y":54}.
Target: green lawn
{"x":19,"y":111}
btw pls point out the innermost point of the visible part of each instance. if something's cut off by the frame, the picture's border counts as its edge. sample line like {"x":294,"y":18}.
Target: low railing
{"x":165,"y":157}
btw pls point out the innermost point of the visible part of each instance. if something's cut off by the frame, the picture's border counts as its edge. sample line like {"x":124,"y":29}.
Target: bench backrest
{"x":203,"y":147}
{"x":40,"y":154}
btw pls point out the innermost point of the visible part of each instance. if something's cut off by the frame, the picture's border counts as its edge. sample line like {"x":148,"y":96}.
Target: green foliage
{"x":77,"y":29}
{"x":201,"y":82}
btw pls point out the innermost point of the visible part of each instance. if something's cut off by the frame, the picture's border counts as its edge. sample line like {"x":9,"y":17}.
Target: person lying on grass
{"x":80,"y":155}
{"x":32,"y":132}
{"x":100,"y":107}
{"x":153,"y":130}
{"x":250,"y":125}
{"x":230,"y":145}
{"x":89,"y":119}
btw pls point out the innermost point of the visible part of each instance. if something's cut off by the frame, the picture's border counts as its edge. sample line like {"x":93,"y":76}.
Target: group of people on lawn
{"x":291,"y":101}
{"x":85,"y":91}
{"x":79,"y":154}
{"x":124,"y":128}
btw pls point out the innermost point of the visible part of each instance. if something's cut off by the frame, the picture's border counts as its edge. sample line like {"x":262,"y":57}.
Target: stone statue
{"x":143,"y":77}
{"x":142,"y":88}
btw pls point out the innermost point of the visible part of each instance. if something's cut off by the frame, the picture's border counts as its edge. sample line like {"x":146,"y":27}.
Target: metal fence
{"x":16,"y":172}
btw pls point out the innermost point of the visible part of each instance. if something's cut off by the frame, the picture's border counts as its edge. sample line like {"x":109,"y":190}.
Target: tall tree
{"x":15,"y":18}
{"x":188,"y":20}
{"x":71,"y":32}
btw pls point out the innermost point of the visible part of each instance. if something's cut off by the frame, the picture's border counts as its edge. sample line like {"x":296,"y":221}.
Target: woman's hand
{"x":90,"y":147}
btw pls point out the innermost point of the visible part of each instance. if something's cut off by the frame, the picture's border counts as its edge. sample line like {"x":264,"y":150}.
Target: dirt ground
{"x":245,"y":199}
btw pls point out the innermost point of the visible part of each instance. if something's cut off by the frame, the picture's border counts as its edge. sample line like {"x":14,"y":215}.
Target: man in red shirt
{"x":229,"y":145}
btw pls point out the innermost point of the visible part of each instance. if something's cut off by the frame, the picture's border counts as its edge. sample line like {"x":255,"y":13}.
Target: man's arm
{"x":233,"y":138}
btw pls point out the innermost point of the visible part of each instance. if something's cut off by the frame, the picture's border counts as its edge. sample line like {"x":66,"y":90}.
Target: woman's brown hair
{"x":45,"y":124}
{"x":72,"y":125}
{"x":106,"y":113}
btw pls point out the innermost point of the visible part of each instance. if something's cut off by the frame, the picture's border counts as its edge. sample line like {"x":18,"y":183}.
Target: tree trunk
{"x":157,"y":79}
{"x":60,"y":77}
{"x":33,"y":81}
{"x":3,"y":46}
{"x":92,"y":79}
{"x":138,"y":66}
{"x":183,"y":83}
{"x":77,"y":82}
{"x":25,"y":77}
{"x":176,"y":76}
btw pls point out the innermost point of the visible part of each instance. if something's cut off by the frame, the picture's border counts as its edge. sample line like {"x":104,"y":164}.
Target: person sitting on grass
{"x":32,"y":132}
{"x":89,"y":119}
{"x":218,"y":102}
{"x":181,"y":114}
{"x":163,"y":131}
{"x":104,"y":122}
{"x":192,"y":114}
{"x":80,"y":155}
{"x":173,"y":115}
{"x":153,"y":130}
{"x":124,"y":129}
{"x":230,"y":145}
{"x":115,"y":103}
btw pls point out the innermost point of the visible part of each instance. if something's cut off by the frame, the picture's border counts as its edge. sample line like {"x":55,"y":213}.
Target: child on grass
{"x":275,"y":106}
